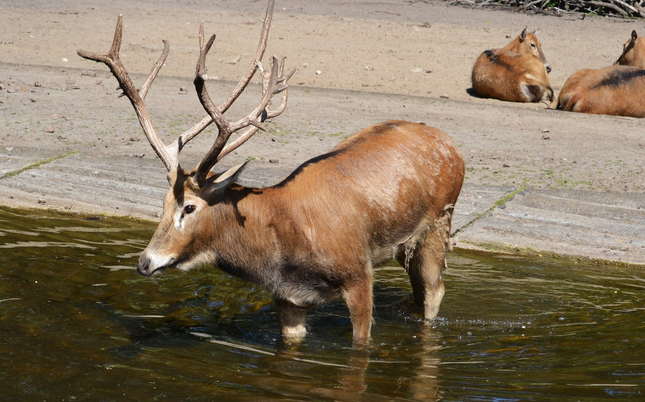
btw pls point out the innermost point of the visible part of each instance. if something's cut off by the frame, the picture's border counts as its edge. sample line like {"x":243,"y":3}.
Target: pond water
{"x":78,"y":323}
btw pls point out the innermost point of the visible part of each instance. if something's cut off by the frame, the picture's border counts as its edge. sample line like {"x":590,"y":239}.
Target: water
{"x":78,"y":323}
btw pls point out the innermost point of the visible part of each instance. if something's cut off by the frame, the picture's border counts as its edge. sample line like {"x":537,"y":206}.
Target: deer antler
{"x":253,"y":120}
{"x":169,"y":154}
{"x":269,"y":113}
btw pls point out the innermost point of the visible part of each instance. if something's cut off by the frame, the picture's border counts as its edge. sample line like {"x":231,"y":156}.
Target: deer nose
{"x":548,"y":69}
{"x":143,"y":267}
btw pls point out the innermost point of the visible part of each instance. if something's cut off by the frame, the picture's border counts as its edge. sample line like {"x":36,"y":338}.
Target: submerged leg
{"x":358,"y":297}
{"x":292,"y":320}
{"x":425,"y":264}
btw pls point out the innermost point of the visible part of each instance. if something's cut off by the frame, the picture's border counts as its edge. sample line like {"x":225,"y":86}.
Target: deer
{"x":614,"y":90}
{"x":633,"y":52}
{"x":387,"y":192}
{"x":515,"y":73}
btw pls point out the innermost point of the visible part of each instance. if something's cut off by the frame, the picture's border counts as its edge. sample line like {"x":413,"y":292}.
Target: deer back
{"x":613,"y":90}
{"x":386,"y":179}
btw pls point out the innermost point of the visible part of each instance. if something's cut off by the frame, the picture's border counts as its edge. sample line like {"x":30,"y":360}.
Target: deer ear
{"x":523,"y":35}
{"x":634,"y":35}
{"x":225,"y":179}
{"x":216,"y":184}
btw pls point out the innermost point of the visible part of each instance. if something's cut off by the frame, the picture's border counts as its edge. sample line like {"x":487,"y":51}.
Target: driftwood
{"x":611,"y":8}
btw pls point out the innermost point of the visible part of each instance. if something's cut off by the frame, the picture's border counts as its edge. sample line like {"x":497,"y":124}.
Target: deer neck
{"x":244,"y":240}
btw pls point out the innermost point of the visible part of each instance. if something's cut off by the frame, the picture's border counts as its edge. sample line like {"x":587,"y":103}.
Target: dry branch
{"x":611,"y":8}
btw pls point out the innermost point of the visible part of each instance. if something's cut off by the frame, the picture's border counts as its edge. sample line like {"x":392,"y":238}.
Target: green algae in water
{"x":78,"y":323}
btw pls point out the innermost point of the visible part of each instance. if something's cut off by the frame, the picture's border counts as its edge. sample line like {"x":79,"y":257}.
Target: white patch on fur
{"x":163,"y":260}
{"x":304,"y":297}
{"x":385,"y":195}
{"x":204,"y":258}
{"x":526,"y":92}
{"x":294,"y":333}
{"x":310,"y":233}
{"x":158,"y":260}
{"x":447,"y":152}
{"x":381,"y":255}
{"x":179,"y":223}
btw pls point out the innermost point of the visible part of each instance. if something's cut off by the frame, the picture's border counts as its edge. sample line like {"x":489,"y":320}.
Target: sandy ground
{"x":358,"y":63}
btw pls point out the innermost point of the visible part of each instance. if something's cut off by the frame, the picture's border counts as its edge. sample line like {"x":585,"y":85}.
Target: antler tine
{"x":269,"y":113}
{"x":168,"y":155}
{"x":225,"y":128}
{"x":206,"y":121}
{"x":143,"y":91}
{"x":112,"y":57}
{"x":285,"y":94}
{"x":262,"y":45}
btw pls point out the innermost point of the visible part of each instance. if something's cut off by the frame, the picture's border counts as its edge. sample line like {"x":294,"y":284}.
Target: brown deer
{"x":386,"y":192}
{"x":615,"y":90}
{"x":633,"y":52}
{"x":516,"y":73}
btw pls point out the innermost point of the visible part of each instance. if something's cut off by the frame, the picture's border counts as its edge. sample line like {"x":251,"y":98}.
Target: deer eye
{"x":189,"y":209}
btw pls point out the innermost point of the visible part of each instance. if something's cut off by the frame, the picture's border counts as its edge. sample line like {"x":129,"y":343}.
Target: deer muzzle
{"x":147,"y":267}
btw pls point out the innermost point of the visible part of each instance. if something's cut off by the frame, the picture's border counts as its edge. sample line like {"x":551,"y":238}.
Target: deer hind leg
{"x":359,"y":299}
{"x":425,"y":262}
{"x":292,"y":320}
{"x":534,"y":92}
{"x":574,"y":102}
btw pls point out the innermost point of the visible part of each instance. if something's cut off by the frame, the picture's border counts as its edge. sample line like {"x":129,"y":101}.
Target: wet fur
{"x":385,"y":192}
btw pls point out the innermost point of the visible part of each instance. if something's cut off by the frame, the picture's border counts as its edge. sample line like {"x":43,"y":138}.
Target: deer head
{"x":633,"y":52}
{"x":528,"y":43}
{"x":191,"y":192}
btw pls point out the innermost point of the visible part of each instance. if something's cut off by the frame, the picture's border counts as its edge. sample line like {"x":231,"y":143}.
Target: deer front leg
{"x":292,"y":320}
{"x":358,"y":297}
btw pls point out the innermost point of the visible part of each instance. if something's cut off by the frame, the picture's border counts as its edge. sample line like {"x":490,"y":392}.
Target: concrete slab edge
{"x":534,"y":254}
{"x":506,"y":198}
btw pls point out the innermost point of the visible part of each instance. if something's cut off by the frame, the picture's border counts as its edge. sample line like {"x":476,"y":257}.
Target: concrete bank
{"x":570,"y":224}
{"x":69,"y":144}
